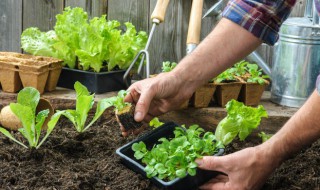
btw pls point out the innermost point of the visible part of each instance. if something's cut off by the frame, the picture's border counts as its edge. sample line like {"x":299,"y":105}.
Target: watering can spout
{"x":255,"y":57}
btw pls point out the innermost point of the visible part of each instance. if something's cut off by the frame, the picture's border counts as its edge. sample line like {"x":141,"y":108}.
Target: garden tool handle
{"x":194,"y":28}
{"x":160,"y":10}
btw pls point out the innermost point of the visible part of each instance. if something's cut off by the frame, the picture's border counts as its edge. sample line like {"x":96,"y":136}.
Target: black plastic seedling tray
{"x":186,"y":183}
{"x":95,"y":82}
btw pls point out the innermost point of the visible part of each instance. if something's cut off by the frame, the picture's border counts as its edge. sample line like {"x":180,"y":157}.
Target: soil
{"x":69,"y":160}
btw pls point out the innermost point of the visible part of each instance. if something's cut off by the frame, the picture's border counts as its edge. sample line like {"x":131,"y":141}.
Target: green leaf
{"x":81,"y":89}
{"x":40,"y":119}
{"x":101,"y":107}
{"x":241,"y":120}
{"x":167,"y":66}
{"x":264,"y":137}
{"x":72,"y":115}
{"x":7,"y":134}
{"x":36,"y":42}
{"x":30,"y":97}
{"x":51,"y":124}
{"x":27,"y":118}
{"x":181,"y":173}
{"x":192,"y":171}
{"x":83,"y":106}
{"x":155,"y":123}
{"x":160,"y":168}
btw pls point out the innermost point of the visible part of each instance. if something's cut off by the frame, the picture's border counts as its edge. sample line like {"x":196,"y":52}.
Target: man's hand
{"x":158,"y":95}
{"x":246,"y":169}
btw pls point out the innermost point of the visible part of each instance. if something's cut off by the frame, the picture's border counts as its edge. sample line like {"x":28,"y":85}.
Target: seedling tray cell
{"x":166,"y":130}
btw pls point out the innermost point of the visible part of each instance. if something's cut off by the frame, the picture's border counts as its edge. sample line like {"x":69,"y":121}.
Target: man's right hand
{"x":157,"y":95}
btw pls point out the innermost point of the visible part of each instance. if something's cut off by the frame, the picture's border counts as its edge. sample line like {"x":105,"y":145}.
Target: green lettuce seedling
{"x":84,"y":103}
{"x":155,"y":123}
{"x":32,"y":123}
{"x":256,"y":75}
{"x":240,"y":121}
{"x":264,"y":137}
{"x":175,"y":157}
{"x":168,"y":66}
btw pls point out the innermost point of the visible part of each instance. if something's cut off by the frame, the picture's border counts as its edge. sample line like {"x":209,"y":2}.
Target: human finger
{"x":143,"y":104}
{"x":132,"y":96}
{"x":215,"y":163}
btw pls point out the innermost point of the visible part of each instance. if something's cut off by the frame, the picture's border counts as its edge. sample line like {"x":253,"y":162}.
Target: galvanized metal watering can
{"x":296,"y":59}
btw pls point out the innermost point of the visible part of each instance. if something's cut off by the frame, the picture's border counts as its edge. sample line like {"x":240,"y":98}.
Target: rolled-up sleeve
{"x":262,"y":18}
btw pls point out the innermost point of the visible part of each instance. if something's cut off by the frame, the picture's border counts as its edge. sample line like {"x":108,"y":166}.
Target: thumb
{"x":214,"y":163}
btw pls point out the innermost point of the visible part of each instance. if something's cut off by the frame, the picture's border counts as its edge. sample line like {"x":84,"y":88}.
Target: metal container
{"x":296,"y":61}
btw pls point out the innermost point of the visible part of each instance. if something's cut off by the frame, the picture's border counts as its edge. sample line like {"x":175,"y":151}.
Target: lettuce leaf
{"x":241,"y":120}
{"x":36,"y":42}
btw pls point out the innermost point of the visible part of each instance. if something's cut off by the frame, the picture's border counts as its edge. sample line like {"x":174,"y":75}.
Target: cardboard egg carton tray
{"x":21,"y":70}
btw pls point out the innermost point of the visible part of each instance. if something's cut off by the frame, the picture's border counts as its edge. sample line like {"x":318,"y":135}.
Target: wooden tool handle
{"x":160,"y":10}
{"x":194,"y":28}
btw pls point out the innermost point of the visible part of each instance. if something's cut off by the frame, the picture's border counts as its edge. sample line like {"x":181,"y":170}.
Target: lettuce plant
{"x":32,"y":123}
{"x":175,"y":157}
{"x":168,"y":66}
{"x":96,"y":44}
{"x":264,"y":137}
{"x":255,"y":74}
{"x":155,"y":123}
{"x":84,"y":103}
{"x":240,"y":121}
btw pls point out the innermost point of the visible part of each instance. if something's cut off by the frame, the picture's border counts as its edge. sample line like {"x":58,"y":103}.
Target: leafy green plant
{"x":240,"y":68}
{"x":84,"y":103}
{"x":32,"y":123}
{"x":255,"y":74}
{"x":86,"y":44}
{"x":264,"y":137}
{"x":227,"y":75}
{"x":118,"y":101}
{"x":240,"y":121}
{"x":155,"y":123}
{"x":168,"y":66}
{"x":175,"y":157}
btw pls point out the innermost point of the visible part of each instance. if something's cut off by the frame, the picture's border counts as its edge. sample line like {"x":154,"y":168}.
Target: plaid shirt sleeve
{"x":260,"y":17}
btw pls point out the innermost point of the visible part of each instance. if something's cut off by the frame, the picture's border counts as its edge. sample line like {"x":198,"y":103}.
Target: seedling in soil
{"x":264,"y":137}
{"x":155,"y":123}
{"x":124,"y":111}
{"x":168,"y":66}
{"x":255,"y":74}
{"x":175,"y":158}
{"x":84,"y":103}
{"x":32,"y":123}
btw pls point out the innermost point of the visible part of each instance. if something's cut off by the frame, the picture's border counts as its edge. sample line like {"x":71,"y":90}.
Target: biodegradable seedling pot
{"x":39,"y":72}
{"x":9,"y":77}
{"x":226,"y":92}
{"x":166,"y":130}
{"x":34,"y":76}
{"x":53,"y":77}
{"x":125,"y":118}
{"x":203,"y":95}
{"x":95,"y":82}
{"x":251,"y":93}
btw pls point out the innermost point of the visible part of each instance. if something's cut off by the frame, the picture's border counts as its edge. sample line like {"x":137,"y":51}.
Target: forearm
{"x":224,"y":46}
{"x":301,"y":130}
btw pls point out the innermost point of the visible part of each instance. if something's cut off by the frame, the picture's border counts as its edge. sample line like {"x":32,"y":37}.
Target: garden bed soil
{"x":68,"y":160}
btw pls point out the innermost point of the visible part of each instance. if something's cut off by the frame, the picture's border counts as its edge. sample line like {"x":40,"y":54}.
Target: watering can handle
{"x":194,"y":28}
{"x":160,"y":10}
